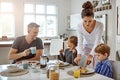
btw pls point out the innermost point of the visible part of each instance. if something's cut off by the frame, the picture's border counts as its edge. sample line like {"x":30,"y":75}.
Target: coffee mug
{"x":33,"y":50}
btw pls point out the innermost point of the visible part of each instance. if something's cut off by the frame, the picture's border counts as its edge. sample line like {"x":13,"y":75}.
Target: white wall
{"x":76,"y":6}
{"x":112,"y":22}
{"x":111,"y":28}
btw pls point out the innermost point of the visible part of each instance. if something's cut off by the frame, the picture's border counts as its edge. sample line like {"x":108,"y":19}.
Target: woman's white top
{"x":89,"y":40}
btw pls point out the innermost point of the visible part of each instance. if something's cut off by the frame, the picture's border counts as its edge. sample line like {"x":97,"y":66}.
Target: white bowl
{"x":12,"y":68}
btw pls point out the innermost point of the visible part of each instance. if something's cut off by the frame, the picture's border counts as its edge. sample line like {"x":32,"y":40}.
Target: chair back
{"x":116,"y":69}
{"x":118,"y":55}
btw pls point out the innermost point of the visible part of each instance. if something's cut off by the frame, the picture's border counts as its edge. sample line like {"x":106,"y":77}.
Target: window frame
{"x":40,"y":14}
{"x":18,"y":12}
{"x":8,"y":13}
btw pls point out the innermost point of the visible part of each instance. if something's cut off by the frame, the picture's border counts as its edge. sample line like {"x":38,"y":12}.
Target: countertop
{"x":9,"y":43}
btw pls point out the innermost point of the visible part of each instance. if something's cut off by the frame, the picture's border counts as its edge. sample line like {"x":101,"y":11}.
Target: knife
{"x":83,"y":61}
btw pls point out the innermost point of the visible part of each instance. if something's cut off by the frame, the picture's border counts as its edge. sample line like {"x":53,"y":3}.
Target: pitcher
{"x":43,"y":63}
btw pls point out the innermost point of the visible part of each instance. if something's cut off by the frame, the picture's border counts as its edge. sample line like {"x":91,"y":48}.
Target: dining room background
{"x":64,"y":10}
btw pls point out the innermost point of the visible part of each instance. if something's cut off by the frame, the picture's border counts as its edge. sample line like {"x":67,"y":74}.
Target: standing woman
{"x":89,"y":33}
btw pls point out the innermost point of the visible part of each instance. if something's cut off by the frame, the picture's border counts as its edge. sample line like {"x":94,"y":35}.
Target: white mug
{"x":33,"y":50}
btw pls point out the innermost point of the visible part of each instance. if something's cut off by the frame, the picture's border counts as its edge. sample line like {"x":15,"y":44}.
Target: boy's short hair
{"x":102,"y":49}
{"x":74,"y":40}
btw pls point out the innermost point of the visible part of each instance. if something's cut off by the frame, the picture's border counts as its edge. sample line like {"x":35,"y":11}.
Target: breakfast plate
{"x":19,"y":72}
{"x":89,"y":71}
{"x":30,"y":63}
{"x":33,"y":62}
{"x":60,"y":63}
{"x":63,"y":64}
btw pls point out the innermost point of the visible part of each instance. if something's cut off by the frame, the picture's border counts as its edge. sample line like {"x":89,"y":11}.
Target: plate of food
{"x":83,"y":71}
{"x":32,"y":62}
{"x":63,"y":64}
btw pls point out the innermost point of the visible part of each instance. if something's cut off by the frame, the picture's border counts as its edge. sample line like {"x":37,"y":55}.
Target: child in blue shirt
{"x":104,"y":66}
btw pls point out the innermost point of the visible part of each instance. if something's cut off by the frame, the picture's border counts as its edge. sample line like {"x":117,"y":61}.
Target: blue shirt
{"x":104,"y":68}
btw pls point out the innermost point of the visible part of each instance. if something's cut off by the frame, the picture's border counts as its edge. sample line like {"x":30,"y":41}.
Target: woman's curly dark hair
{"x":87,"y":9}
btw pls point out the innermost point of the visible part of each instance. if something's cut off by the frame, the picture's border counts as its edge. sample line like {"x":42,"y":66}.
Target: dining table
{"x":43,"y":76}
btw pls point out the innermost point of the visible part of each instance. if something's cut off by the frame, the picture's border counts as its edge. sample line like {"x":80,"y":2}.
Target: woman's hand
{"x":61,"y":51}
{"x":89,"y":59}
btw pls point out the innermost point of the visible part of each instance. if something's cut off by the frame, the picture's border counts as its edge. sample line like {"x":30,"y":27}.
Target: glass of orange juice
{"x":76,"y":73}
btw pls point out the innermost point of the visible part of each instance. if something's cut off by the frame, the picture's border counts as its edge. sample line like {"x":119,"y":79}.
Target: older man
{"x":20,"y":49}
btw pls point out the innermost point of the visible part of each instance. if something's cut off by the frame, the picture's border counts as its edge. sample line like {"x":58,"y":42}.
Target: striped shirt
{"x":104,"y":68}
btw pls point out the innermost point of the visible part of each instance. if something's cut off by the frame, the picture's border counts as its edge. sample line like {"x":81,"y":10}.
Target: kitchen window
{"x":7,"y":21}
{"x":44,"y":15}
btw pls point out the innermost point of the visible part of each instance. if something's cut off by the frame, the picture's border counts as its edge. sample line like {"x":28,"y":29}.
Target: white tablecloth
{"x":63,"y":76}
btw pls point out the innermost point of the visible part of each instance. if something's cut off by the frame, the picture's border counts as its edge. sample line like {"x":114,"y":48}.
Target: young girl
{"x":70,"y":53}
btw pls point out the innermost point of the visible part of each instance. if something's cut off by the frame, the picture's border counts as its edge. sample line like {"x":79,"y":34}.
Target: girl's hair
{"x":102,"y":49}
{"x":87,"y":9}
{"x":74,"y":40}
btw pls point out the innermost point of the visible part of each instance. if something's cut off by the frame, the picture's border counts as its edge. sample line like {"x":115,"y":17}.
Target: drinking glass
{"x":54,"y":72}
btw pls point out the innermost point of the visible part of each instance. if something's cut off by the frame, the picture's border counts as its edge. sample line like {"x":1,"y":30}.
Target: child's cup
{"x":77,"y":73}
{"x":33,"y":50}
